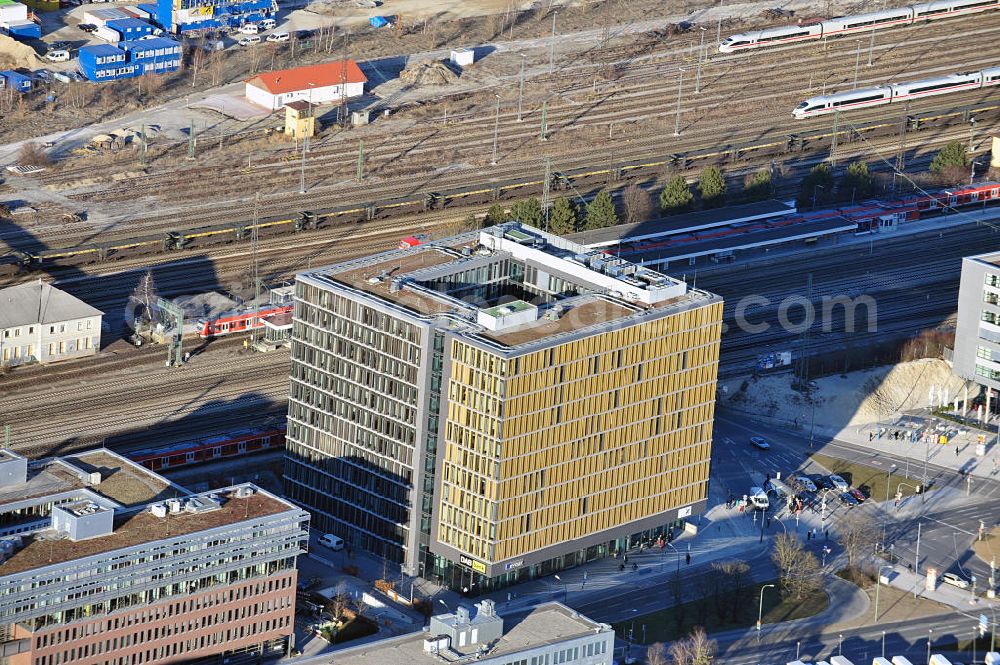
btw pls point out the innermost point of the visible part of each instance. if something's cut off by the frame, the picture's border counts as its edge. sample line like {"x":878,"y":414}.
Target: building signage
{"x":684,"y":512}
{"x":477,"y":566}
{"x":515,"y":564}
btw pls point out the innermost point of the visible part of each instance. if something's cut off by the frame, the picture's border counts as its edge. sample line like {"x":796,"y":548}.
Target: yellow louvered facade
{"x":578,"y":438}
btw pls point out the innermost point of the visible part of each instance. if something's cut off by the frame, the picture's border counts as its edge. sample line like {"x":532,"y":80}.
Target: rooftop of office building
{"x":511,"y":286}
{"x":545,"y":625}
{"x":101,"y":502}
{"x":991,"y":258}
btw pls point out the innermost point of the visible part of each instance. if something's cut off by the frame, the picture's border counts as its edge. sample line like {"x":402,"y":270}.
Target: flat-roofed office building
{"x":499,"y":405}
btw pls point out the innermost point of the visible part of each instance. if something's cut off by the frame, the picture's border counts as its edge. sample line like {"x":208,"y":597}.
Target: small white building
{"x":317,"y":84}
{"x":463,"y":57}
{"x":40,"y":322}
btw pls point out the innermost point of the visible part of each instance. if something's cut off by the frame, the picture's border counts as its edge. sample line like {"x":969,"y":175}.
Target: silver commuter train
{"x":846,"y":25}
{"x":896,"y":92}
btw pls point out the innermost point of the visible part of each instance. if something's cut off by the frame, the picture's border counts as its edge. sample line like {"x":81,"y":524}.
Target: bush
{"x":817,"y":187}
{"x":951,"y":155}
{"x":601,"y":211}
{"x":757,"y":187}
{"x":563,"y":218}
{"x":676,"y":197}
{"x":712,"y":187}
{"x":32,"y":154}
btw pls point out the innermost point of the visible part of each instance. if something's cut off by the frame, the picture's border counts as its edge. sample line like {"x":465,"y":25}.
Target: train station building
{"x":499,"y":405}
{"x":102,"y":560}
{"x":40,"y":323}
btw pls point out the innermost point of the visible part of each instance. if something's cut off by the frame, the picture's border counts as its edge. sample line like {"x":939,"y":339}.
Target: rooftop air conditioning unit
{"x":174,"y":505}
{"x":158,"y":509}
{"x":94,"y":478}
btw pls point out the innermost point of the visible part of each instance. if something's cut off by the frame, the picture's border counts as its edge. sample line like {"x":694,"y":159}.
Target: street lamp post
{"x":857,"y":64}
{"x":883,"y":644}
{"x":701,"y":51}
{"x":871,"y":47}
{"x":520,"y":90}
{"x":760,"y":608}
{"x":885,"y":517}
{"x":677,"y":119}
{"x":496,"y":131}
{"x":552,"y":45}
{"x":930,"y":631}
{"x":840,"y":644}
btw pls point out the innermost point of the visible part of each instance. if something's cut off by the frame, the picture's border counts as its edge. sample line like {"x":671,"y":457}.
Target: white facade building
{"x":39,"y":322}
{"x":317,"y":84}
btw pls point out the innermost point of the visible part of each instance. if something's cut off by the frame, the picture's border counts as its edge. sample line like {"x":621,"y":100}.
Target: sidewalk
{"x":945,"y":594}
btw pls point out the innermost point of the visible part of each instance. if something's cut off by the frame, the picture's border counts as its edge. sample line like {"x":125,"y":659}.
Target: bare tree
{"x":798,"y":568}
{"x":656,"y":654}
{"x":198,"y":58}
{"x":32,"y":154}
{"x":731,"y":584}
{"x":359,"y":604}
{"x":143,"y":300}
{"x":637,"y":204}
{"x":857,"y":537}
{"x":217,"y":66}
{"x":339,"y":601}
{"x":695,"y":649}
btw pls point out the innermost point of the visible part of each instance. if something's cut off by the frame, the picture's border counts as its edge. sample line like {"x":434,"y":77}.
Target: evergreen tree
{"x":496,"y":215}
{"x":816,"y":187}
{"x":676,"y":197}
{"x":601,"y":211}
{"x":951,"y":155}
{"x":757,"y":187}
{"x":528,"y":211}
{"x":712,"y":187}
{"x":563,"y":217}
{"x":857,"y":182}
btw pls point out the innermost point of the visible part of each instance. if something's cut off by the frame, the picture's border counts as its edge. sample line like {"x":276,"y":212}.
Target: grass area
{"x":675,"y":622}
{"x":872,"y":476}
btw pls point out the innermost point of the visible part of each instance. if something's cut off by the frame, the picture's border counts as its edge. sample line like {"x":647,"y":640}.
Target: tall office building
{"x":500,"y":404}
{"x":105,"y":562}
{"x":977,"y":329}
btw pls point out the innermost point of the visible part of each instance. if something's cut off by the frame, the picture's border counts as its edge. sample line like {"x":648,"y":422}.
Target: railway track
{"x":330,"y":157}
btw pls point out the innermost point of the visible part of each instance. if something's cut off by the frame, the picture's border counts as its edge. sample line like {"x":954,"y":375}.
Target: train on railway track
{"x":210,"y":449}
{"x":894,"y":93}
{"x":856,"y":24}
{"x":586,"y":179}
{"x":231,"y":323}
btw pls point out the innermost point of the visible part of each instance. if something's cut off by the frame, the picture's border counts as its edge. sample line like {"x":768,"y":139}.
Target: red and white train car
{"x":235,"y":322}
{"x":232,"y":444}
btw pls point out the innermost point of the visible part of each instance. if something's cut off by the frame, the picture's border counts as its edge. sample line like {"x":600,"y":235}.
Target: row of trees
{"x":567,"y":216}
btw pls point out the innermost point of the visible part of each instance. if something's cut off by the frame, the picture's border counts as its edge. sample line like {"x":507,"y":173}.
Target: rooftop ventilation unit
{"x":158,"y":510}
{"x":244,"y":491}
{"x":175,"y":506}
{"x":396,"y":285}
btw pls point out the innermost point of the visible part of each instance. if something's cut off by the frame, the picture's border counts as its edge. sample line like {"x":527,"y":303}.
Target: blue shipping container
{"x":24,"y":29}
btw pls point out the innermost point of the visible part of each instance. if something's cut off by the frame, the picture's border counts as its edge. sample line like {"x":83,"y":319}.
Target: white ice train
{"x":896,"y":92}
{"x":860,"y":23}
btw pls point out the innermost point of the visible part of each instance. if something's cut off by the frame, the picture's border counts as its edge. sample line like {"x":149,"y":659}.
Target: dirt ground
{"x":862,"y":397}
{"x":989,"y":547}
{"x":893,"y":605}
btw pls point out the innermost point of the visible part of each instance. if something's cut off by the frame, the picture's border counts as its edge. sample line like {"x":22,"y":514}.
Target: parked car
{"x":58,"y":55}
{"x":955,"y":580}
{"x":43,"y":75}
{"x":335,"y":543}
{"x":268,"y":24}
{"x":838,"y":482}
{"x":866,"y":491}
{"x":848,"y":500}
{"x":760,"y":442}
{"x":249,"y":40}
{"x":820,"y":481}
{"x":58,"y":45}
{"x":278,"y":37}
{"x":250,"y":29}
{"x":62,"y":77}
{"x":87,"y":27}
{"x":803,"y":482}
{"x":857,"y":494}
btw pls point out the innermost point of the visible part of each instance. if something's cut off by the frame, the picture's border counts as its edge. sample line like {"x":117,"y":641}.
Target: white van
{"x":758,"y":498}
{"x":250,"y":29}
{"x":268,"y":24}
{"x":58,"y":55}
{"x":335,"y":543}
{"x":249,"y":40}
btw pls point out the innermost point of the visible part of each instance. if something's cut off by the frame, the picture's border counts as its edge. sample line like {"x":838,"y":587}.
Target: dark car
{"x":866,"y":491}
{"x":87,"y":27}
{"x":820,"y":481}
{"x":848,"y":500}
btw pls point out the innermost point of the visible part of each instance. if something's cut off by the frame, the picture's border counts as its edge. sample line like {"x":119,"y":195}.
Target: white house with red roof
{"x":317,"y":84}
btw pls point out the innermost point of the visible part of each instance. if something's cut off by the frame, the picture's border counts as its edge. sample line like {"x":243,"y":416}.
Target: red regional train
{"x":232,"y":444}
{"x":235,"y":322}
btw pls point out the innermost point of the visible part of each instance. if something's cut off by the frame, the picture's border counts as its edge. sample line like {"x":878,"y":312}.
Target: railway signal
{"x":175,"y":349}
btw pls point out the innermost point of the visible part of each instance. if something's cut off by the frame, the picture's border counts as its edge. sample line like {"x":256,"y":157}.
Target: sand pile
{"x":14,"y":54}
{"x":428,"y":72}
{"x":862,"y":397}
